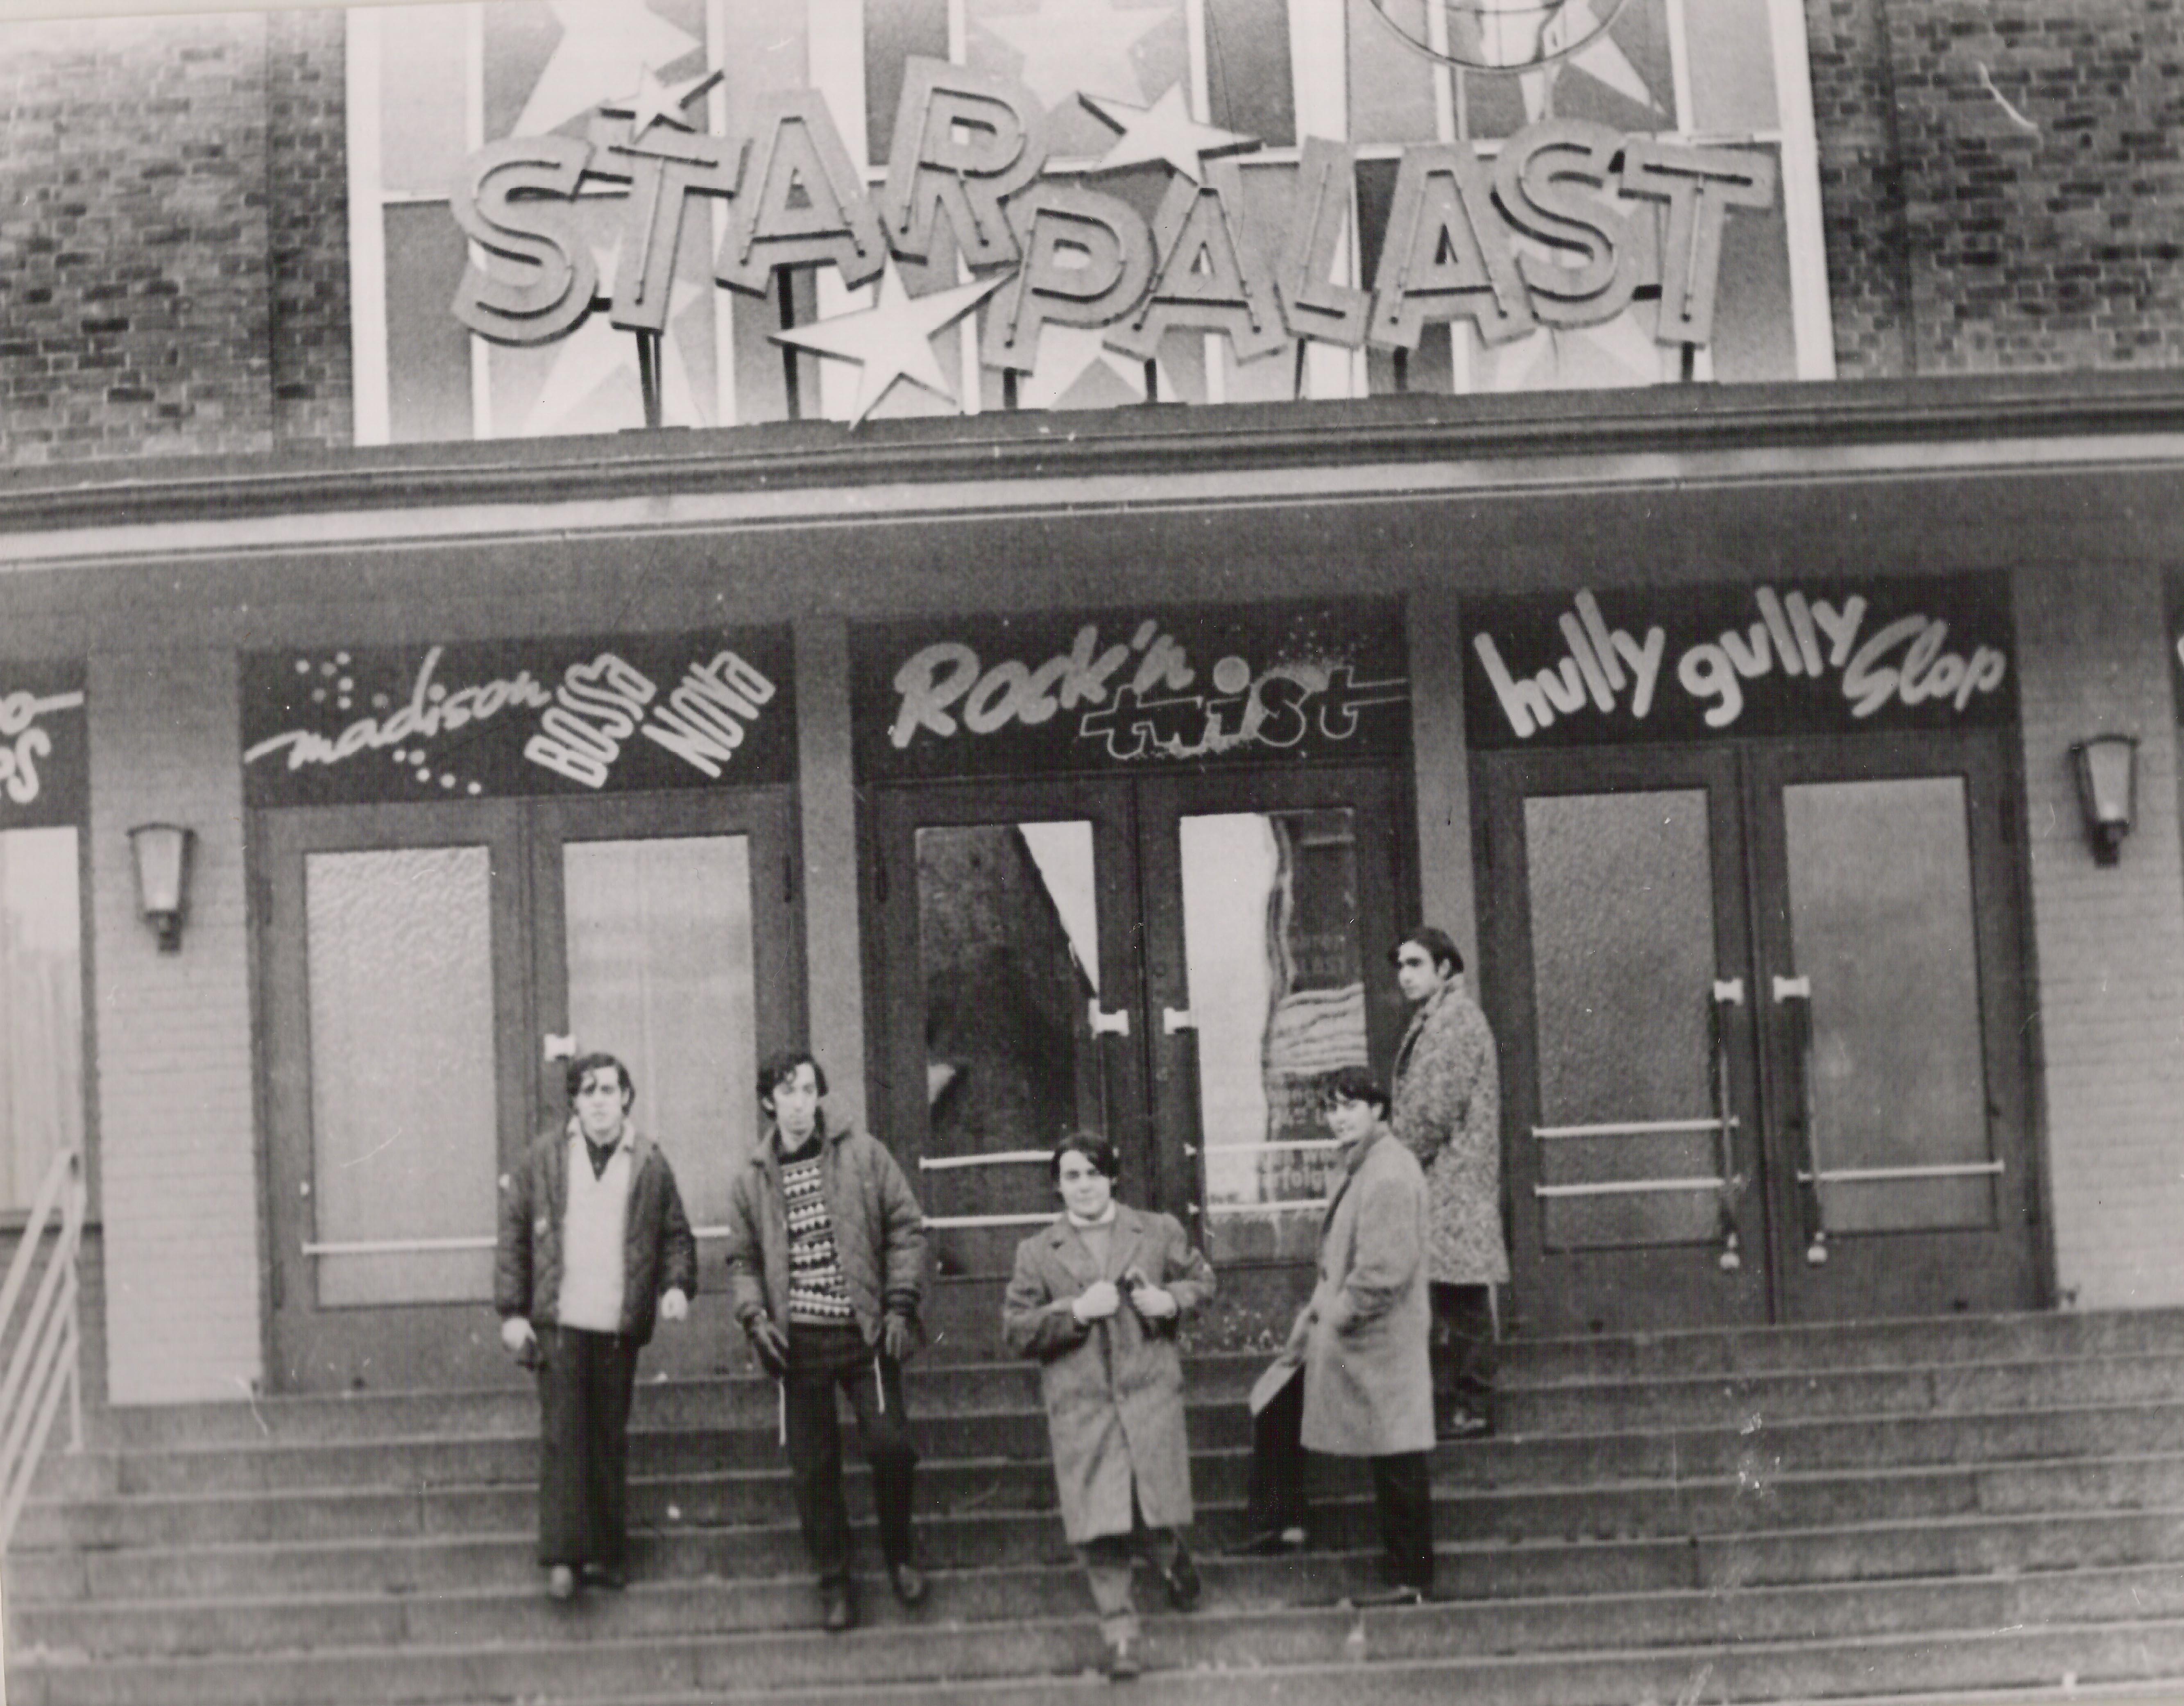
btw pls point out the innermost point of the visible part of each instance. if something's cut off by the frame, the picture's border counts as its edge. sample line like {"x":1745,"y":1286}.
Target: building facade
{"x":1022,"y":544}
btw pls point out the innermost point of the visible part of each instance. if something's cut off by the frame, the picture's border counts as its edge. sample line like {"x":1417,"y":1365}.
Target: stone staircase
{"x":1989,"y":1507}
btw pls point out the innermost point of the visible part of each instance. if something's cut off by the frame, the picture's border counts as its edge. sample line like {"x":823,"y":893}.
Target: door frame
{"x":2010,"y":1268}
{"x":896,"y":1057}
{"x":449,"y":1344}
{"x":1650,"y":1276}
{"x":1747,"y":830}
{"x":447,"y":1337}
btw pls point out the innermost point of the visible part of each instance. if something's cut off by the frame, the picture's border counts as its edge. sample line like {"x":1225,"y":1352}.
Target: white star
{"x":1165,"y":131}
{"x":1071,"y":46}
{"x":893,"y":339}
{"x":656,"y":103}
{"x":604,"y":49}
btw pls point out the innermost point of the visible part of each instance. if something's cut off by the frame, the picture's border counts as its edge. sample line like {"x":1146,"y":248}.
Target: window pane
{"x":1391,"y":93}
{"x":1621,"y":898}
{"x":1732,"y":57}
{"x":1276,"y":986}
{"x":40,"y":1006}
{"x":424,"y":99}
{"x":1009,"y":946}
{"x":660,"y":974}
{"x":403,"y":1117}
{"x":1881,"y":920}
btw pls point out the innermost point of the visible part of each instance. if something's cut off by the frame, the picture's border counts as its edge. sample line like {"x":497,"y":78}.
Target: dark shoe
{"x":909,"y":1583}
{"x":607,"y":1576}
{"x":837,"y":1611}
{"x":1270,"y":1542}
{"x":1181,"y":1582}
{"x":561,"y":1582}
{"x":1123,"y":1660}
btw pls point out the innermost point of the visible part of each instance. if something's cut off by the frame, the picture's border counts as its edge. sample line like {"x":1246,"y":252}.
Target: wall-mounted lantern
{"x":2107,"y":769}
{"x":163,"y":854}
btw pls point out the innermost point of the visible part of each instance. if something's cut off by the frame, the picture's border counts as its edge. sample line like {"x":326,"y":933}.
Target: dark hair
{"x":596,"y":1061}
{"x":1097,"y":1149}
{"x":780,"y":1067}
{"x":1354,"y":1083}
{"x":1435,"y":942}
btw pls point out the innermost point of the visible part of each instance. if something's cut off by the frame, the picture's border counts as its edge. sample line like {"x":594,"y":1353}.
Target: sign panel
{"x":45,"y":748}
{"x":602,"y":713}
{"x":1163,"y":688}
{"x":1697,"y":663}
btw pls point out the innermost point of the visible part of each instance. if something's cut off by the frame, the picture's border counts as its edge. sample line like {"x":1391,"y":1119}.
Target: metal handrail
{"x":46,"y":1364}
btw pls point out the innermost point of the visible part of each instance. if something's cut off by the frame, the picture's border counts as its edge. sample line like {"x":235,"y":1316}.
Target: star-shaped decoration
{"x":893,"y":339}
{"x":604,"y":49}
{"x":656,"y":103}
{"x":1601,"y":59}
{"x":1073,"y":47}
{"x":1165,"y":131}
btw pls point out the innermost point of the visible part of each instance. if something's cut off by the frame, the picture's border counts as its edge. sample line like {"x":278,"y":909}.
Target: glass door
{"x":1618,"y":978}
{"x":1009,"y":967}
{"x":1893,"y":1007}
{"x":1272,"y":904}
{"x":665,"y":935}
{"x":1761,"y":1012}
{"x":398,"y":1085}
{"x":429,"y":971}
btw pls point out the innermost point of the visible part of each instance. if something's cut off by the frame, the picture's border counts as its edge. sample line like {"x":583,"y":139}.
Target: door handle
{"x":1107,"y":1024}
{"x":1800,"y":991}
{"x":1728,"y":992}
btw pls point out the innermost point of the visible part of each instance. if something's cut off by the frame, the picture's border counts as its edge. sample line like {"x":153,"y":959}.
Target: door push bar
{"x":1810,"y":1172}
{"x":1728,"y":992}
{"x":1107,"y":1024}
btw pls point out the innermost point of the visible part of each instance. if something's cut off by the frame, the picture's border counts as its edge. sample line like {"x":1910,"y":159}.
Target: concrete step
{"x":409,"y":1464}
{"x":1512,"y":1641}
{"x":1758,"y":1400}
{"x":1911,"y":1341}
{"x":997,"y":1498}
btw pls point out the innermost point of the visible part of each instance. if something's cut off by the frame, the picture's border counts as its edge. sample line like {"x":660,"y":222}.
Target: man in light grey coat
{"x":1354,"y":1381}
{"x":1097,"y":1298}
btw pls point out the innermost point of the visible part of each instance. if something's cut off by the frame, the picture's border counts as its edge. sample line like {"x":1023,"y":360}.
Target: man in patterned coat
{"x":1448,"y":1113}
{"x":826,"y":1254}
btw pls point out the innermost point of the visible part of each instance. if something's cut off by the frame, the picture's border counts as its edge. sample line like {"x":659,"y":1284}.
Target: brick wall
{"x":2036,"y":149}
{"x":173,"y":237}
{"x":178,"y":1157}
{"x":307,"y":203}
{"x":2109,"y":938}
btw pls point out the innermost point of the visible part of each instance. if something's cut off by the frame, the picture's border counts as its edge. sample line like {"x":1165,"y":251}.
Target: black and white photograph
{"x":978,"y":852}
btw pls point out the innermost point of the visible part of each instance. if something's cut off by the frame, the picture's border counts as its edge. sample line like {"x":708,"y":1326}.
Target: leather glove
{"x":768,"y":1344}
{"x":673,"y":1305}
{"x":898,"y":1338}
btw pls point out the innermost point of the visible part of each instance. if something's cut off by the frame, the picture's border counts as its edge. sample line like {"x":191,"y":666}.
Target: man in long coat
{"x":1097,"y":1297}
{"x":1448,"y":1114}
{"x":1353,"y":1381}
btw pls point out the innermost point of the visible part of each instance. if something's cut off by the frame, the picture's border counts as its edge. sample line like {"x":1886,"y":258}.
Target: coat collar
{"x":1075,"y":1255}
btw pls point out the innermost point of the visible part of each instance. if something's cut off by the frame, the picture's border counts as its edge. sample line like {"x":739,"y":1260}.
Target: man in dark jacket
{"x":826,"y":1255}
{"x":593,"y":1247}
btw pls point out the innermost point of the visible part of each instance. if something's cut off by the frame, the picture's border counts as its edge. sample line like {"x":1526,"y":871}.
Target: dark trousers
{"x":1402,"y":1488}
{"x":817,"y":1365}
{"x":585,"y":1381}
{"x":1109,"y":1562}
{"x":1462,"y":1349}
